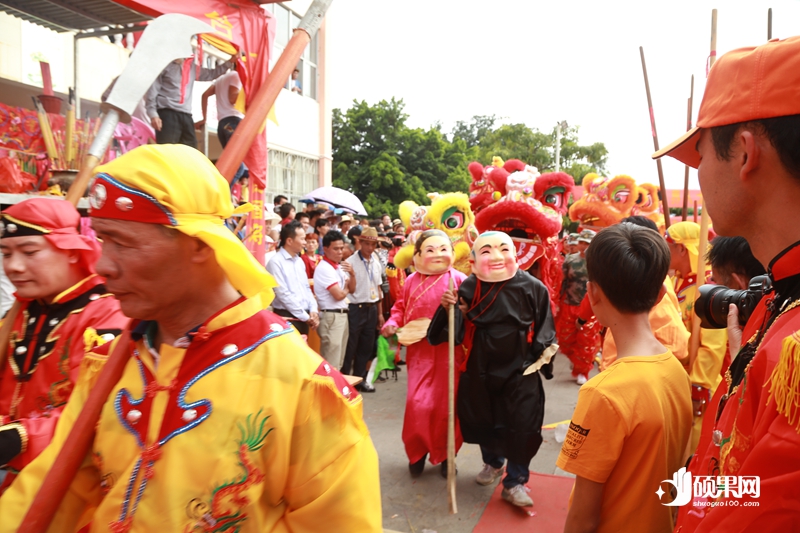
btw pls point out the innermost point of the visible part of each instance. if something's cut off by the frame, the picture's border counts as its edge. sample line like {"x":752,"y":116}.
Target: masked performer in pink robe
{"x":425,"y":423}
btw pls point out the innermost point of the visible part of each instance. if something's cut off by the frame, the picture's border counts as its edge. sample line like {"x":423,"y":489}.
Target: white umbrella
{"x":338,"y":198}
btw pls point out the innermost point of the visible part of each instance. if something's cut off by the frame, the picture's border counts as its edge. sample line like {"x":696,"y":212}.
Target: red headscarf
{"x":55,"y":220}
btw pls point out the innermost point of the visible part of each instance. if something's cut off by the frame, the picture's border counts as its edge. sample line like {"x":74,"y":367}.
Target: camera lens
{"x":715,"y":300}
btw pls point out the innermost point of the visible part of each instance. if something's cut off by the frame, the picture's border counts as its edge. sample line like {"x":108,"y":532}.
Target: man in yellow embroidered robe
{"x":224,"y":420}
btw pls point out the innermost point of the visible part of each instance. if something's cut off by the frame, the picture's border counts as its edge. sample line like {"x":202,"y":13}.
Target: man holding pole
{"x":746,"y":147}
{"x":65,"y":312}
{"x":211,"y":426}
{"x":503,"y":318}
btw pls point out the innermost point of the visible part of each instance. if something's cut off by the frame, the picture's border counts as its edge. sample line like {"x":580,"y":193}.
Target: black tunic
{"x":497,"y":406}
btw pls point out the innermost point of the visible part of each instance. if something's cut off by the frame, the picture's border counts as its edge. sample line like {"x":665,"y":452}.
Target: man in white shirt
{"x":293,"y":298}
{"x":333,"y":282}
{"x":365,"y":312}
{"x":227,"y":88}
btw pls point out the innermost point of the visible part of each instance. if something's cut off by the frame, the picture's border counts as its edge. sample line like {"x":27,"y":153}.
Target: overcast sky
{"x":540,"y":62}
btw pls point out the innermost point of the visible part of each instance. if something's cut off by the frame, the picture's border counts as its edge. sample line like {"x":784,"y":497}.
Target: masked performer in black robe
{"x":509,"y":335}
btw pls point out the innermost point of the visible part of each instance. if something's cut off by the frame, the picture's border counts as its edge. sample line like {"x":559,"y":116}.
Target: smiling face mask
{"x":433,"y":253}
{"x":494,"y":257}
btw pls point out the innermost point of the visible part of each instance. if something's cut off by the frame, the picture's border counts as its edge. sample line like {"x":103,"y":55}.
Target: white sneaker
{"x":517,"y":495}
{"x":581,"y":379}
{"x":488,"y":475}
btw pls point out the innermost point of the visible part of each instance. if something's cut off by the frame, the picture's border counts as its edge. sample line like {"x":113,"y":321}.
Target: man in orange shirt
{"x":632,"y":422}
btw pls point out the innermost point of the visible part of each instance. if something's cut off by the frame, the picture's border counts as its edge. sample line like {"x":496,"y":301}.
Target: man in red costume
{"x":579,"y":342}
{"x":66,"y":311}
{"x":747,"y":152}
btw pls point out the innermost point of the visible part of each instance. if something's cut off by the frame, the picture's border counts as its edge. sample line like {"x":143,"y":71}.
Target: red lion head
{"x":531,"y":211}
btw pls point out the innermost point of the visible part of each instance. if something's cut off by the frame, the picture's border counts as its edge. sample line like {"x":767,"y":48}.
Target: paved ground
{"x":414,"y":505}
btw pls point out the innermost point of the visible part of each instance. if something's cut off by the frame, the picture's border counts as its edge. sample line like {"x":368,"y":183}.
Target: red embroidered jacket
{"x":45,"y":349}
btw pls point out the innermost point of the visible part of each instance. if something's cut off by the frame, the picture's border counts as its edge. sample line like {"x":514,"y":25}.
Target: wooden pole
{"x":700,"y":271}
{"x":451,"y":419}
{"x":664,"y":202}
{"x":769,"y":24}
{"x":694,"y":213}
{"x":686,"y":171}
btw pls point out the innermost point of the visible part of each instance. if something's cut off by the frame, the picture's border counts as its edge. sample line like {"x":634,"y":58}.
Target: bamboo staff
{"x":686,"y":172}
{"x":664,"y":203}
{"x":451,"y":411}
{"x":700,"y":272}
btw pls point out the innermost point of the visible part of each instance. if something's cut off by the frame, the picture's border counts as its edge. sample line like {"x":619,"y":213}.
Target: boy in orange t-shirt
{"x":632,"y":421}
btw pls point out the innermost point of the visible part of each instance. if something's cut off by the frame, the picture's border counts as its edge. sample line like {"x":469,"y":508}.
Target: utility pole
{"x":559,"y":127}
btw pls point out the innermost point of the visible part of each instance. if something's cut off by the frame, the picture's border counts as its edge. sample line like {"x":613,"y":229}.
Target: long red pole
{"x":256,"y":116}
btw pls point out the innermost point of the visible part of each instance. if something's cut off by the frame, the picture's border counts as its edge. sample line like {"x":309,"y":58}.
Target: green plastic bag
{"x":386,"y":350}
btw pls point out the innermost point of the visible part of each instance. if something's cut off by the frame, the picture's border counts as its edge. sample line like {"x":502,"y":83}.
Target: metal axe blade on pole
{"x":166,"y":38}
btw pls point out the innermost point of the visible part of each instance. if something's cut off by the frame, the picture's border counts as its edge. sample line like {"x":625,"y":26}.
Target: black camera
{"x":714,"y":301}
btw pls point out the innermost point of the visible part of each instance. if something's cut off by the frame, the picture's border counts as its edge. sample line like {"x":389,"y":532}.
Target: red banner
{"x":251,"y":30}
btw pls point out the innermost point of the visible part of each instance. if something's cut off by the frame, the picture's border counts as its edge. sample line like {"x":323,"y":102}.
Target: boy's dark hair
{"x":301,"y":215}
{"x":782,"y":132}
{"x":321,"y":222}
{"x":733,"y":255}
{"x":639,"y":220}
{"x":284,"y":210}
{"x":331,"y":237}
{"x":375,"y":223}
{"x":629,"y":263}
{"x":278,"y":199}
{"x":289,"y":231}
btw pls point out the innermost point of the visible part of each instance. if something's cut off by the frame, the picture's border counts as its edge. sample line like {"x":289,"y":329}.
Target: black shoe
{"x":401,"y":363}
{"x":381,"y":379}
{"x":366,"y":387}
{"x":444,"y":469}
{"x":416,"y":468}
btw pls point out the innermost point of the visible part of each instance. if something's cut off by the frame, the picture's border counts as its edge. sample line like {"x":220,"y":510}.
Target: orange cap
{"x":745,"y":84}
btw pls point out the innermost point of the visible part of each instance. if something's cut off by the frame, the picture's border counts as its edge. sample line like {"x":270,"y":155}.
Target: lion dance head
{"x":448,"y":212}
{"x":529,"y":207}
{"x":606,"y":201}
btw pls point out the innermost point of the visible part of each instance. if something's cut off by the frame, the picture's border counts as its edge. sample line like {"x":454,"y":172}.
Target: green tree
{"x":471,"y":132}
{"x":384,"y":162}
{"x":518,"y":141}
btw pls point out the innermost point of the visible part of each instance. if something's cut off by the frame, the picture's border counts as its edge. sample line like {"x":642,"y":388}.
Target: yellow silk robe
{"x":245,"y":430}
{"x":706,"y":370}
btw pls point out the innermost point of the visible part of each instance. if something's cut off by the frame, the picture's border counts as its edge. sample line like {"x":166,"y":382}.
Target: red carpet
{"x":550,"y":495}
